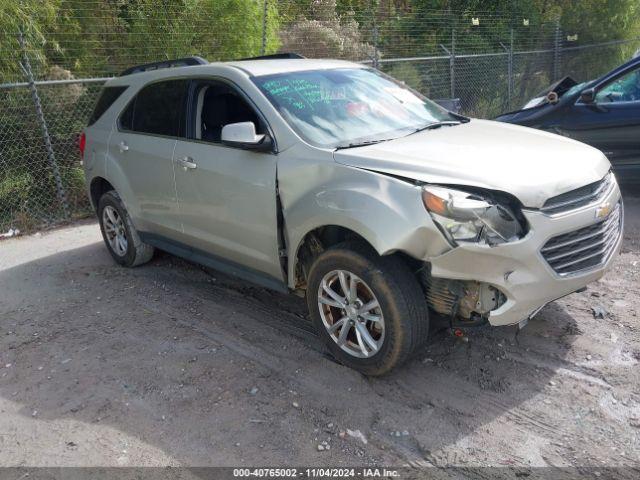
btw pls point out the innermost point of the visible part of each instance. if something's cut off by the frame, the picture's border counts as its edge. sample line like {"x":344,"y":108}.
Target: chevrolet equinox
{"x":334,"y":181}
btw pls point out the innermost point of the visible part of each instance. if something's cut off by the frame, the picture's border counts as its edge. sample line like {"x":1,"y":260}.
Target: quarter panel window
{"x":157,"y":109}
{"x":107,"y":97}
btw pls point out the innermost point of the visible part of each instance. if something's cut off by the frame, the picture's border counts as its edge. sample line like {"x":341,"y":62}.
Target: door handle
{"x":187,"y":163}
{"x":123,"y":147}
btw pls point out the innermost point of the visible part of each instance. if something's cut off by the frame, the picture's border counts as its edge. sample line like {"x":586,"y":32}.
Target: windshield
{"x":538,"y":101}
{"x":346,"y":107}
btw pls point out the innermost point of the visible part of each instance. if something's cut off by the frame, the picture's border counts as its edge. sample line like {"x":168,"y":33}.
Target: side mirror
{"x":588,"y":95}
{"x":243,"y":135}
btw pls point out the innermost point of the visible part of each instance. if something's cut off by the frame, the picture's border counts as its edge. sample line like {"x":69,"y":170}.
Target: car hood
{"x":530,"y":164}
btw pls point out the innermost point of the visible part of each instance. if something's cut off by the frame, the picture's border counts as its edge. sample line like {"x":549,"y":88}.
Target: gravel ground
{"x":171,"y":364}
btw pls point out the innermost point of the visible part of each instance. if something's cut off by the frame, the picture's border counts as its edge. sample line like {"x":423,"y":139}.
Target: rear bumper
{"x":519,"y":270}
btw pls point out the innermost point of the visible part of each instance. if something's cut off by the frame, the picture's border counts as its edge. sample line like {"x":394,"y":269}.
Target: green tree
{"x":31,"y":18}
{"x":101,"y":37}
{"x":322,"y":32}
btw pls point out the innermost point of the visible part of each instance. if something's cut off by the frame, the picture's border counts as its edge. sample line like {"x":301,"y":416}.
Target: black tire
{"x":136,"y":252}
{"x":401,"y":300}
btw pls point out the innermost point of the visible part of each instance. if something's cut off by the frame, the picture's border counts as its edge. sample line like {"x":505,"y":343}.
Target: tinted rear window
{"x":157,"y":109}
{"x":106,"y":99}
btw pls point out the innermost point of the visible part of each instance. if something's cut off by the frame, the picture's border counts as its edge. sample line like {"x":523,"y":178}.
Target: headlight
{"x":469,"y":217}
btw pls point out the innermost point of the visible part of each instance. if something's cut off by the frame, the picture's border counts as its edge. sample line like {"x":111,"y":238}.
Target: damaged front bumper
{"x":521,"y":273}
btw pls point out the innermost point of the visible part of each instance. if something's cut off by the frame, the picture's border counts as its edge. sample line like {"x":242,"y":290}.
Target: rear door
{"x":612,"y":122}
{"x":99,"y":130}
{"x":227,"y":195}
{"x":143,"y":145}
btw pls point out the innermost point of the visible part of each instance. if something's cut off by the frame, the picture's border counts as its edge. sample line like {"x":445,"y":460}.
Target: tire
{"x":115,"y":222}
{"x":398,"y":325}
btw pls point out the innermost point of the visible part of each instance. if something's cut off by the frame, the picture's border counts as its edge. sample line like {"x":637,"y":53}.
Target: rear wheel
{"x":119,"y":234}
{"x":369,"y":310}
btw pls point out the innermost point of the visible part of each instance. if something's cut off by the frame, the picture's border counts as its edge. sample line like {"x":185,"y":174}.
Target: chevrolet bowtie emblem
{"x":603,"y":210}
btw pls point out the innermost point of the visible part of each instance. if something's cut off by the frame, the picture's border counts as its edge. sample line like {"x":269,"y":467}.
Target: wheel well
{"x":320,"y":239}
{"x":99,"y":186}
{"x":317,"y":241}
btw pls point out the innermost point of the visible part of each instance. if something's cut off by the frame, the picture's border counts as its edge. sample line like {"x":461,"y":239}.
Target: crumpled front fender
{"x":387,"y":212}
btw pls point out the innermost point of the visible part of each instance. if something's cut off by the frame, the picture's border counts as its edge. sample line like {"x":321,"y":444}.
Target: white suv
{"x":331,"y":180}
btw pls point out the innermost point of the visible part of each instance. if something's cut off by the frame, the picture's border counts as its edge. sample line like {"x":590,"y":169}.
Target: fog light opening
{"x":466,"y":302}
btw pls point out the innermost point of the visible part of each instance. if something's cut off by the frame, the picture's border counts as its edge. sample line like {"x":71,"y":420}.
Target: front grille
{"x":579,"y":197}
{"x":584,"y":248}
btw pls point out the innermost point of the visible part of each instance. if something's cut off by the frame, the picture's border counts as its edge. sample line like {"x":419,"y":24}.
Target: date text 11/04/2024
{"x":316,"y":472}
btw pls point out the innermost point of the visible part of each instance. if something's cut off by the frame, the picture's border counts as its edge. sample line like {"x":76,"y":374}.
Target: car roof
{"x":261,"y":67}
{"x":252,"y":68}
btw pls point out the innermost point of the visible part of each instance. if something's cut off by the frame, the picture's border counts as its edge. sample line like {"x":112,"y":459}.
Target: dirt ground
{"x":171,"y":364}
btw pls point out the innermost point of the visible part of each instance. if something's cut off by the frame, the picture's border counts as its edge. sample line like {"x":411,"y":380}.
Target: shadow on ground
{"x":207,"y":371}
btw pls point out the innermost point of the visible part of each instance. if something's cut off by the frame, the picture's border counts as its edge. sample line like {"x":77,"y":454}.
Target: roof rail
{"x":179,"y":62}
{"x":275,"y":56}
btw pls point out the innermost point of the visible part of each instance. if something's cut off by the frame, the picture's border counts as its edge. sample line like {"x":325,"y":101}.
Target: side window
{"x":217,"y":104}
{"x":623,"y":89}
{"x":107,"y":97}
{"x":157,"y":109}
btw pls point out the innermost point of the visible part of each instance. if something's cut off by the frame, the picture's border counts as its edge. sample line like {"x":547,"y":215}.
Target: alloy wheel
{"x":115,"y":231}
{"x":351,"y":313}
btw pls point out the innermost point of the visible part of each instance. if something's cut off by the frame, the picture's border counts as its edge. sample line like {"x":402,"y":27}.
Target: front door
{"x":226,"y":195}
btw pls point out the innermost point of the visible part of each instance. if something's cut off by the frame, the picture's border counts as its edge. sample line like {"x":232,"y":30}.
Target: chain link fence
{"x":53,"y":65}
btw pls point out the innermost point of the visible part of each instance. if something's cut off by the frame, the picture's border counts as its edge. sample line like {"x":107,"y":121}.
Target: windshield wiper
{"x":362,"y":144}
{"x":429,"y":126}
{"x":434,"y":125}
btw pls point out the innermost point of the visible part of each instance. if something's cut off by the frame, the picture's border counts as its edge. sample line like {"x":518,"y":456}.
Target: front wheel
{"x":369,"y":310}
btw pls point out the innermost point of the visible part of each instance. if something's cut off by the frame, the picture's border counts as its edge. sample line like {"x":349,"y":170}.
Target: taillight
{"x":82,"y":142}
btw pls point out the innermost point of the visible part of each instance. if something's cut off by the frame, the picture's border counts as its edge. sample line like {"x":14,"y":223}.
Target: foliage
{"x":15,"y":190}
{"x":29,"y":18}
{"x":326,"y":34}
{"x":600,"y":20}
{"x":68,"y":39}
{"x":102,"y":37}
{"x":410,"y":74}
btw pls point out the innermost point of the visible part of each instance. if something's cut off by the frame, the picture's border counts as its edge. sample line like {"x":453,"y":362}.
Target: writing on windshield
{"x":342,"y":106}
